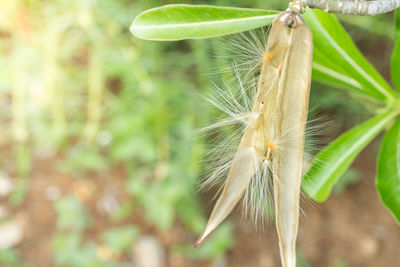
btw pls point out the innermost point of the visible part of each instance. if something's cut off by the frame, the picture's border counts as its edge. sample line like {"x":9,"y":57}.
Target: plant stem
{"x":356,"y":7}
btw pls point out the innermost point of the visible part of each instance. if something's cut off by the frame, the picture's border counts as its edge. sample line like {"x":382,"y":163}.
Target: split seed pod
{"x":274,"y":137}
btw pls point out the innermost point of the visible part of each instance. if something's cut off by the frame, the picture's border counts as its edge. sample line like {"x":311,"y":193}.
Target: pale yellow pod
{"x":244,"y":166}
{"x":294,"y":89}
{"x":252,"y":146}
{"x":276,"y":135}
{"x":268,"y":86}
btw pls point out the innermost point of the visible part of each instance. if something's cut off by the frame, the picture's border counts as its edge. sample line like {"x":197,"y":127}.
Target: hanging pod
{"x":294,"y":90}
{"x":272,"y":144}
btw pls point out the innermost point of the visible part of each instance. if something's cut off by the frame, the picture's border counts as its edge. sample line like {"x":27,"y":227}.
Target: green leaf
{"x":395,"y":65}
{"x":335,"y":159}
{"x":388,"y":171}
{"x":337,"y":61}
{"x":177,"y":22}
{"x":396,"y":16}
{"x":395,"y":61}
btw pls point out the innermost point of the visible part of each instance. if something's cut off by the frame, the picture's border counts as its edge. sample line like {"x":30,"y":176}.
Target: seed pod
{"x":294,"y":88}
{"x":251,"y":149}
{"x":244,"y":166}
{"x":275,"y":137}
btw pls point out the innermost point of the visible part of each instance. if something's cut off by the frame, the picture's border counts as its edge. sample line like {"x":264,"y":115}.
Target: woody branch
{"x":361,"y":8}
{"x":352,"y":7}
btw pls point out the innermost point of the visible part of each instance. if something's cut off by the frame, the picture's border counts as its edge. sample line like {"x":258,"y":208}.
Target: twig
{"x":360,"y":8}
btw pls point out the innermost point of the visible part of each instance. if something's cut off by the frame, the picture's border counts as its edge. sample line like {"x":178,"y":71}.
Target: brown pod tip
{"x":199,"y":241}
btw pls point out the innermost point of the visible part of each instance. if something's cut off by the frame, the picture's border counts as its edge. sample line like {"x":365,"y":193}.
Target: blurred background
{"x":100,"y":155}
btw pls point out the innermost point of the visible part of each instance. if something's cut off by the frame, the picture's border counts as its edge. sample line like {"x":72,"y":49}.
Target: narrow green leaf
{"x":337,"y":60}
{"x":388,"y":171}
{"x":395,"y":65}
{"x":177,"y":22}
{"x":395,"y":61}
{"x":326,"y":71}
{"x":396,"y":16}
{"x":335,"y":159}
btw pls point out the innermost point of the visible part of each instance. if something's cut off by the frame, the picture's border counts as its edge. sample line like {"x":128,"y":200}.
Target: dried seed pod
{"x":294,"y":88}
{"x":251,"y":149}
{"x":244,"y":166}
{"x":272,"y":144}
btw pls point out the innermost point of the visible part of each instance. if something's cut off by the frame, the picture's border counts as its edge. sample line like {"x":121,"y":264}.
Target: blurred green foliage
{"x":71,"y":214}
{"x":351,"y":176}
{"x":120,"y":239}
{"x":77,"y":87}
{"x":11,"y":257}
{"x":69,"y":251}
